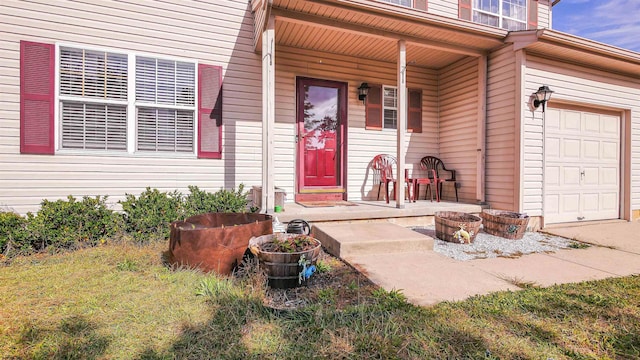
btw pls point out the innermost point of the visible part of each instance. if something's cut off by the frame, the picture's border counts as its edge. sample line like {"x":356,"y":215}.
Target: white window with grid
{"x":407,"y":3}
{"x":117,"y":102}
{"x":506,"y":14}
{"x":389,"y":107}
{"x":165,"y":105}
{"x":93,"y":99}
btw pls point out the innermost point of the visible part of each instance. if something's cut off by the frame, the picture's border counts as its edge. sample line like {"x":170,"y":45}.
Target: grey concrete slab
{"x":614,"y":262}
{"x":540,"y":269}
{"x":345,"y":240}
{"x":397,"y":258}
{"x":427,"y":278}
{"x":622,"y":235}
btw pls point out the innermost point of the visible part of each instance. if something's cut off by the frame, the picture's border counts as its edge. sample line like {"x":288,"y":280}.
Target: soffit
{"x":575,"y":50}
{"x":361,"y":46}
{"x":369,"y":29}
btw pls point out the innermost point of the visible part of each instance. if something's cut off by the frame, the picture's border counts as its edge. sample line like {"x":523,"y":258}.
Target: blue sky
{"x":614,"y":22}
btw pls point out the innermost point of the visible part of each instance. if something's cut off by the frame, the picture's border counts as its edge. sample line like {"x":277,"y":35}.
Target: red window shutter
{"x":533,"y":14}
{"x":420,"y":4}
{"x":414,"y":121}
{"x":373,"y":108}
{"x":209,"y":111}
{"x":464,"y":9}
{"x":36,"y":97}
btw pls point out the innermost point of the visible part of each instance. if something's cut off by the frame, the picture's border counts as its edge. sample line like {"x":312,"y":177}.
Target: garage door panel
{"x":571,"y":121}
{"x":611,"y":126}
{"x":570,"y":176}
{"x":591,"y":176}
{"x":609,"y":201}
{"x":552,"y":119}
{"x":552,"y":147}
{"x":552,"y":204}
{"x":591,"y":125}
{"x":552,"y":176}
{"x":610,"y":151}
{"x":591,"y":149}
{"x":571,"y":149}
{"x":609,"y":176}
{"x":582,"y":166}
{"x":570,"y":203}
{"x":591,"y":201}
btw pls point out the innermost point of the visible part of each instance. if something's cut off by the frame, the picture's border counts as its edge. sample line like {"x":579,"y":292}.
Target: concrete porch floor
{"x":419,"y":212}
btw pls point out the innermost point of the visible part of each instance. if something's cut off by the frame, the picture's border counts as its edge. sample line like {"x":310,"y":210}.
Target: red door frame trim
{"x":343,"y":91}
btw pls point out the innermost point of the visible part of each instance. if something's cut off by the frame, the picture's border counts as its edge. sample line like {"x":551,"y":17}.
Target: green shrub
{"x":14,"y":236}
{"x":201,"y":202}
{"x":147,"y":217}
{"x":72,"y":224}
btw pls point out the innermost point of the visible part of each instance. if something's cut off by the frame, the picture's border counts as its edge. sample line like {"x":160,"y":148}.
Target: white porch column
{"x":402,"y":120}
{"x":268,"y":114}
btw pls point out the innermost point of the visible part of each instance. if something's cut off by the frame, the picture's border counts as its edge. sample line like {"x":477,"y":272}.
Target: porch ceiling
{"x":358,"y":45}
{"x":368,"y":29}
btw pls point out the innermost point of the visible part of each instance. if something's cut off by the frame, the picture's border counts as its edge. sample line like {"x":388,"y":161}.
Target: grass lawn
{"x":120,"y":302}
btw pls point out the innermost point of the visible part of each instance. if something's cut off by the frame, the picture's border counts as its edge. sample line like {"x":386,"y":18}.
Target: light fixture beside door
{"x":363,"y":90}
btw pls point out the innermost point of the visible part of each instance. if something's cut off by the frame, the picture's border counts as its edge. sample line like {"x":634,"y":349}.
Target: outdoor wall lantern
{"x":363,"y":90}
{"x":540,"y":97}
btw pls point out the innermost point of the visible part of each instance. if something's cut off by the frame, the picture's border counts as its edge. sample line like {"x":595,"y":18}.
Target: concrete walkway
{"x":426,"y":277}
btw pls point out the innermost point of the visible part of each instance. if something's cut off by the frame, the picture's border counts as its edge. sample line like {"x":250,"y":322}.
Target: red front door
{"x":320,"y":122}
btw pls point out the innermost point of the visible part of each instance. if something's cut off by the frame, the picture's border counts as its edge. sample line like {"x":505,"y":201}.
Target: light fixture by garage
{"x":540,"y":97}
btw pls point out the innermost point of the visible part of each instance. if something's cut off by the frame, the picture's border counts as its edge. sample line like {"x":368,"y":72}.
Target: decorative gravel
{"x":488,"y":246}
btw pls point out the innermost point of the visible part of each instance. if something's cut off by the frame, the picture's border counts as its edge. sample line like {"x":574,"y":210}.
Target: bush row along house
{"x":107,"y":98}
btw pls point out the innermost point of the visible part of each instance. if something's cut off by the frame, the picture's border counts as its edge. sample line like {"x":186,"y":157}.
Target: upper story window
{"x":506,"y":14}
{"x":416,"y":4}
{"x":407,"y":3}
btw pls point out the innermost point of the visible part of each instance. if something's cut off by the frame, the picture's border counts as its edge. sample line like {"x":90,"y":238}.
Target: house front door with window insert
{"x":321,"y":117}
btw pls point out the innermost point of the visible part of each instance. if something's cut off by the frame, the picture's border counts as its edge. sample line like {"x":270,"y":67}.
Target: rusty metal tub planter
{"x":215,"y":241}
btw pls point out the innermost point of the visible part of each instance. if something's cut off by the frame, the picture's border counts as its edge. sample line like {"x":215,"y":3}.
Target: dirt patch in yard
{"x":335,"y":283}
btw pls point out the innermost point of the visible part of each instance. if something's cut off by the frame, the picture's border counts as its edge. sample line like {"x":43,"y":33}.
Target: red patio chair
{"x":436,"y":169}
{"x":382,"y":166}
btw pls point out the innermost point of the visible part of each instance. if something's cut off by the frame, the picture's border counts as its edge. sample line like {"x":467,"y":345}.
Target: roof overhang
{"x":371,"y":30}
{"x":576,"y":50}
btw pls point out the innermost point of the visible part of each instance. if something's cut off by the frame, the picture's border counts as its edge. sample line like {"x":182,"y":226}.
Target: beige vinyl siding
{"x":362,"y":145}
{"x":544,"y":14}
{"x":259,"y":9}
{"x":500,"y":159}
{"x":578,"y":85}
{"x":176,"y":29}
{"x":458,"y":125}
{"x":447,"y":8}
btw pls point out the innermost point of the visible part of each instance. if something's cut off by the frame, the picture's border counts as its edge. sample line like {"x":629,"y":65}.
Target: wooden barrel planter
{"x":506,"y":224}
{"x":215,"y":241}
{"x":448,"y":222}
{"x":283,"y":268}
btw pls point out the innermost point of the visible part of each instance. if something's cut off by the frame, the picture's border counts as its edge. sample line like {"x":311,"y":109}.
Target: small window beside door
{"x":382,"y":108}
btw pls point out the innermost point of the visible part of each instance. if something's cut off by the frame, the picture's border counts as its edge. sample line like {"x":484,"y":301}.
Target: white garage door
{"x":582,"y":166}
